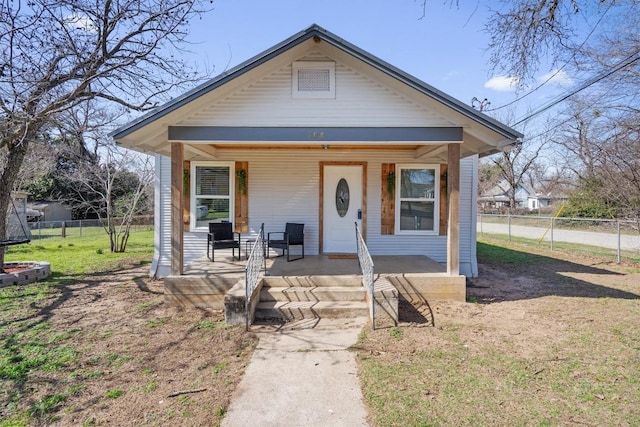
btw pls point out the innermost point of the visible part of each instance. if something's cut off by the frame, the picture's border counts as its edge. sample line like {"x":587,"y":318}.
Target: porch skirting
{"x":225,"y":291}
{"x":197,"y":291}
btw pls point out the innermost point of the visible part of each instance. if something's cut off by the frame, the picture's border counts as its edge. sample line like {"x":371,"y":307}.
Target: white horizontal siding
{"x":359,"y":101}
{"x":473,"y":218}
{"x":162,"y":257}
{"x":284,"y":186}
{"x":467,"y":229}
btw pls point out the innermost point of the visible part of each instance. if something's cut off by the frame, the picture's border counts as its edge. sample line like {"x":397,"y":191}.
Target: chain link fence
{"x":85,"y":228}
{"x":617,"y":238}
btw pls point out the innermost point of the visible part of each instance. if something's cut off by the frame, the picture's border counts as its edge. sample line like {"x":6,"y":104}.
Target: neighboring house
{"x":525,"y":197}
{"x":51,"y":210}
{"x":538,"y":201}
{"x":499,"y":197}
{"x":270,"y":140}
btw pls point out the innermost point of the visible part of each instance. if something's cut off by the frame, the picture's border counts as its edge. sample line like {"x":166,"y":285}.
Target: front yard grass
{"x":73,"y":256}
{"x":95,"y":344}
{"x":553,"y":340}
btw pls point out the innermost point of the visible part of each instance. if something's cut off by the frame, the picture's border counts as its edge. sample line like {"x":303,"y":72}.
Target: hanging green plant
{"x":241,"y":176}
{"x":444,"y":178}
{"x":391,"y":182}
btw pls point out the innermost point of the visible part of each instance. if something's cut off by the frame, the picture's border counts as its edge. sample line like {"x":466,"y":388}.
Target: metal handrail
{"x":255,"y":263}
{"x":367,"y":269}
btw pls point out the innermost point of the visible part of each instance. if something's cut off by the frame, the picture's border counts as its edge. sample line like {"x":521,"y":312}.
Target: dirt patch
{"x":133,"y":361}
{"x":554,"y":341}
{"x":532,"y":307}
{"x":546,"y":342}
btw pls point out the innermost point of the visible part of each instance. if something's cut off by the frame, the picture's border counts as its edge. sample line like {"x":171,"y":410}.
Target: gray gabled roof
{"x":319,"y":32}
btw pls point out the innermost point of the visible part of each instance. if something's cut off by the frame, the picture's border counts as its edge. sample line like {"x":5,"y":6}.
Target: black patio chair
{"x":222,"y":236}
{"x":293,"y":235}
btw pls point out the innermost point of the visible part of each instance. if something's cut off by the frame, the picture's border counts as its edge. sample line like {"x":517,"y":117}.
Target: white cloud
{"x":558,"y":77}
{"x":502,"y":83}
{"x":80,"y":23}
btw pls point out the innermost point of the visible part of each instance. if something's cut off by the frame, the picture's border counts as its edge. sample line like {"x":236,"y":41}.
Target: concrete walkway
{"x":301,"y":374}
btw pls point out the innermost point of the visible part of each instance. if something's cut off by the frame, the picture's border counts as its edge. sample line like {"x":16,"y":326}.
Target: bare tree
{"x":576,"y":138}
{"x":41,"y":158}
{"x":597,"y":42}
{"x":526,"y":34}
{"x":99,"y":188}
{"x":489,"y":175}
{"x":517,"y":165}
{"x":514,"y":165}
{"x":57,"y":54}
{"x":604,"y":154}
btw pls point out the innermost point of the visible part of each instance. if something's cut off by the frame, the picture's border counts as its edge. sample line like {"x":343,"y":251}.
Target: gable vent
{"x":313,"y":79}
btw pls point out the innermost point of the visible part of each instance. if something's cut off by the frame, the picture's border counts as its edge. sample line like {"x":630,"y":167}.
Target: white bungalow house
{"x":270,"y":140}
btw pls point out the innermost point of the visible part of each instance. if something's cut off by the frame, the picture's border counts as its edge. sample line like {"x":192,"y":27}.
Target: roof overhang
{"x":484,"y":129}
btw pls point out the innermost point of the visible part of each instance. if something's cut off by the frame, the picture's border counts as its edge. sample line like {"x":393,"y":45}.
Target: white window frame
{"x":313,"y":65}
{"x":192,"y":192}
{"x":435,"y":199}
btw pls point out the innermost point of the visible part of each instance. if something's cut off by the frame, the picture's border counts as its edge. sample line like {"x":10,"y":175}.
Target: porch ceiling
{"x":434,"y":151}
{"x":207,"y":141}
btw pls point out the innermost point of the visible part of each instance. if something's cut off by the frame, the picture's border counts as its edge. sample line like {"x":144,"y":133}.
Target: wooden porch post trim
{"x":444,"y":201}
{"x":453,"y":227}
{"x":177,"y":208}
{"x":187,"y":194}
{"x":388,"y":214}
{"x":241,"y":222}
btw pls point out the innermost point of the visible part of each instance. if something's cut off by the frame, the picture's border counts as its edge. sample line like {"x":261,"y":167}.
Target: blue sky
{"x":446,"y":48}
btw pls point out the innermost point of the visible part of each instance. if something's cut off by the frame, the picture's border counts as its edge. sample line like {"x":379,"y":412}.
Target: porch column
{"x":453,"y":228}
{"x":177,"y":208}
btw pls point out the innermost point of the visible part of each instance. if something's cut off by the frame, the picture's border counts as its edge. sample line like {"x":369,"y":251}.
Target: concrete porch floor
{"x":315,"y":265}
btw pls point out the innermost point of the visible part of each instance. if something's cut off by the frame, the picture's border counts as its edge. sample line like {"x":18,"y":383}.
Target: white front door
{"x":342,"y":207}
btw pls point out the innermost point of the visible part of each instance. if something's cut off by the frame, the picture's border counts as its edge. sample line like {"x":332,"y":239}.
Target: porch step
{"x":322,"y":293}
{"x":313,"y":281}
{"x":296,"y":310}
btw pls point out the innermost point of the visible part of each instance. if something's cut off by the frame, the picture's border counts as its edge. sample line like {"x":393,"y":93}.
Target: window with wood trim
{"x":212,"y":199}
{"x":417,"y":199}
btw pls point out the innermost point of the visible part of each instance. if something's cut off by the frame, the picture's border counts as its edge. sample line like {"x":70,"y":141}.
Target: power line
{"x":548,"y":79}
{"x":621,"y":65}
{"x":551,"y":129}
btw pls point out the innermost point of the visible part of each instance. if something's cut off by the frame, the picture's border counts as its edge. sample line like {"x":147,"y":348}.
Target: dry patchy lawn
{"x":546,"y":339}
{"x":106,"y":351}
